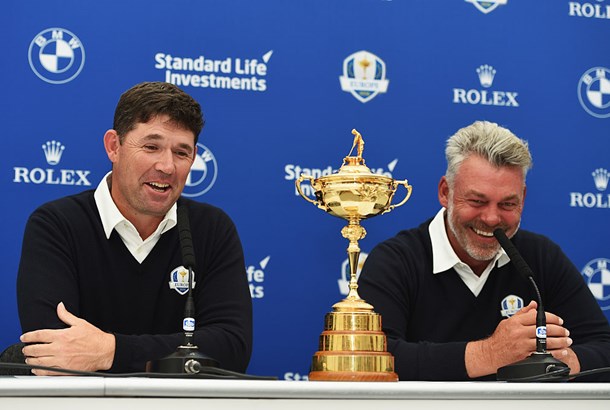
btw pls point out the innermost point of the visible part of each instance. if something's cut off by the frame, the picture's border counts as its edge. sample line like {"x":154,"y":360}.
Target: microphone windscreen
{"x":186,"y":241}
{"x":513,"y":253}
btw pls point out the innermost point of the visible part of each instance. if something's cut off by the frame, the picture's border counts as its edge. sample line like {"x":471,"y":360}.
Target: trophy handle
{"x":409,"y":189}
{"x":298,"y":185}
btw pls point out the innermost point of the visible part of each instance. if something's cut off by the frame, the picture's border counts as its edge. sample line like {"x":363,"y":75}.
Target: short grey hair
{"x":492,"y":142}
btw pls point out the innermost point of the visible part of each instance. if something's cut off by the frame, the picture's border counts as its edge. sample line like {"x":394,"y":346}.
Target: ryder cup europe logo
{"x":594,"y":92}
{"x":203,"y":173}
{"x":597,"y":275}
{"x":56,"y":55}
{"x":364,"y":76}
{"x":510,"y":305}
{"x":179,"y":280}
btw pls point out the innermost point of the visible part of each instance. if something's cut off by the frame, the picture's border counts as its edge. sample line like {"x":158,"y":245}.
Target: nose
{"x":165,"y":162}
{"x":491,"y":216}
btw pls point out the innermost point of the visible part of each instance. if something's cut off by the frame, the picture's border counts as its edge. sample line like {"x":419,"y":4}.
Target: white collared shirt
{"x":444,"y":257}
{"x":112,"y":219}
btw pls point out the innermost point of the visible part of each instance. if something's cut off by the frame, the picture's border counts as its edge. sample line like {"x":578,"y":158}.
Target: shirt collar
{"x":111,"y":216}
{"x":443,"y":255}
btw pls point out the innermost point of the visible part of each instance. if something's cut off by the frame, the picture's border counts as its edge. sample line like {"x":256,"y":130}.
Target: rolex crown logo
{"x":53,"y":151}
{"x":486,"y":75}
{"x":601,"y":177}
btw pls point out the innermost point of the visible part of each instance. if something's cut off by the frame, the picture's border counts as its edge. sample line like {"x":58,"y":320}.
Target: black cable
{"x":590,"y":372}
{"x":206,"y":372}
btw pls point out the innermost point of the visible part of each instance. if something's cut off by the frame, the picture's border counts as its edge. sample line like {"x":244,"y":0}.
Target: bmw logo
{"x":203,"y":173}
{"x":597,"y":276}
{"x":594,"y":92}
{"x":56,"y":55}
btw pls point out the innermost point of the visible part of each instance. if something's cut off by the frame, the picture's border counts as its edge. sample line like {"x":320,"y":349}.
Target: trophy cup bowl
{"x":352,"y":346}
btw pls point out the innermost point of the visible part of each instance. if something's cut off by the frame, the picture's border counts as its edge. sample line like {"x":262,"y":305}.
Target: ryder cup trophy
{"x":352,"y":346}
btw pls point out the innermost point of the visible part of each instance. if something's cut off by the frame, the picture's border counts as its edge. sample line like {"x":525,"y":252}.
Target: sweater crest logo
{"x":179,"y":280}
{"x":510,"y":305}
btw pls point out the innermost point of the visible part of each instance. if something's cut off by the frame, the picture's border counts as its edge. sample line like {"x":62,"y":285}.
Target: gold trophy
{"x":353,"y":346}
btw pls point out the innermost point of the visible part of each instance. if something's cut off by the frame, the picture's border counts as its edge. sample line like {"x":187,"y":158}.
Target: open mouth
{"x":158,"y":186}
{"x":483,"y":233}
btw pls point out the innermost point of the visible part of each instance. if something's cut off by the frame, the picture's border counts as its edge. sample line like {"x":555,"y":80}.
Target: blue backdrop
{"x":282,"y":84}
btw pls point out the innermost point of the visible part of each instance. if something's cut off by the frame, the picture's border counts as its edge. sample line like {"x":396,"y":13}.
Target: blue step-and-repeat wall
{"x":282,"y":84}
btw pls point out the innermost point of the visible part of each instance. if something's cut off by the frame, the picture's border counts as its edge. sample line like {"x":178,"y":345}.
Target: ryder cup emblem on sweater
{"x":594,"y":92}
{"x":364,"y":76}
{"x":487,"y":6}
{"x":597,"y":276}
{"x":179,"y":280}
{"x":203,"y":173}
{"x":510,"y":305}
{"x":56,"y":55}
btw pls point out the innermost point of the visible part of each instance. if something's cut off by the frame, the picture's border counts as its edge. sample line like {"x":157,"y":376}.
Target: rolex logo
{"x":53,"y":151}
{"x":484,"y":95}
{"x":601,"y":177}
{"x":486,"y":75}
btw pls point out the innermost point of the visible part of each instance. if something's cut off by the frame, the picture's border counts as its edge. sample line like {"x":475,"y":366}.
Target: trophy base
{"x":352,"y":376}
{"x":352,"y":346}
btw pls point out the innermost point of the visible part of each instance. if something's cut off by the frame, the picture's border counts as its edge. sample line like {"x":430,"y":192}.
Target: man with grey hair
{"x":453,"y":306}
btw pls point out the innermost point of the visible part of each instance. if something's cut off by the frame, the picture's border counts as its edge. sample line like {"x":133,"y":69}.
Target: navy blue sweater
{"x":66,"y":257}
{"x":429,"y":318}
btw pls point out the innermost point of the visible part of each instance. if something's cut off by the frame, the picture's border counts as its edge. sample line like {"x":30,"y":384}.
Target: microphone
{"x":540,"y":365}
{"x":186,"y":358}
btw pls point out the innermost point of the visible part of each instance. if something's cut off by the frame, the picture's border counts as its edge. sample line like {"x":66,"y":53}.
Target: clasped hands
{"x":515,"y":339}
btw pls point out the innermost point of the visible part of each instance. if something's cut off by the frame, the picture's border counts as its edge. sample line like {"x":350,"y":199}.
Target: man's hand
{"x":81,"y":346}
{"x":515,"y":339}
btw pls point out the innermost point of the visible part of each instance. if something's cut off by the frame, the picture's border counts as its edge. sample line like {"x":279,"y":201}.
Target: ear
{"x":443,"y":191}
{"x":112,"y":145}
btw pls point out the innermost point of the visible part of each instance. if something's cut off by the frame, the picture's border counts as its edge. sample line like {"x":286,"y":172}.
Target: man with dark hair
{"x":101,"y":284}
{"x":453,"y":306}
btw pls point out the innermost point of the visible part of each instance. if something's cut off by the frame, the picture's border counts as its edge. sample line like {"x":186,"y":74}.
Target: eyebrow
{"x":157,"y":137}
{"x":480,"y":195}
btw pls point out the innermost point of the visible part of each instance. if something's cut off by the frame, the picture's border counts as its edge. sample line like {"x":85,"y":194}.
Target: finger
{"x":553,"y":318}
{"x":559,"y":354}
{"x":65,"y":316}
{"x":38,"y":336}
{"x":531,"y":306}
{"x":50,"y":361}
{"x":37,"y":350}
{"x":556,"y":331}
{"x":558,"y":343}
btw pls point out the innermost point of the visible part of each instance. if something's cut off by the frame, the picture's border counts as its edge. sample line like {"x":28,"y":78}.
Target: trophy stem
{"x":353,"y":303}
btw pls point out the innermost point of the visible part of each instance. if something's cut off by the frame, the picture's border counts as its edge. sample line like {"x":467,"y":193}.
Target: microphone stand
{"x":540,"y":365}
{"x":187,"y":358}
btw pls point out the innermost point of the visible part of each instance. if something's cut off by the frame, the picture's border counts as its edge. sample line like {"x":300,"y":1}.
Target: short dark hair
{"x":146,"y":100}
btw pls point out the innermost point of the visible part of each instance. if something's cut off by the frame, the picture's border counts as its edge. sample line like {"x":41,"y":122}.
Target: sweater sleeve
{"x":47,"y":274}
{"x":566,"y":294}
{"x":390,"y":284}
